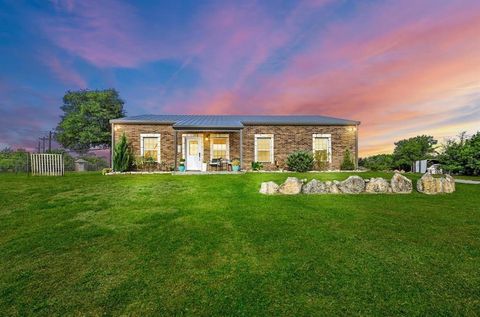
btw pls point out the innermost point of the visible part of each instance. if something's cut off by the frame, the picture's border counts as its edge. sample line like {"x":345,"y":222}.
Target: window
{"x":219,"y":146}
{"x":264,"y":148}
{"x":322,"y":147}
{"x":150,"y":146}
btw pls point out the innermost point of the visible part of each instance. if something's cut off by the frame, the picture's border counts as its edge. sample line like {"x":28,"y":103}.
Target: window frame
{"x":272,"y":147}
{"x":151,"y":135}
{"x":327,"y":136}
{"x":220,"y":136}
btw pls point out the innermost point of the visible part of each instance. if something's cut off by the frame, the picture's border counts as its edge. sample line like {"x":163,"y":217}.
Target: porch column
{"x":175,"y":148}
{"x":241,"y":149}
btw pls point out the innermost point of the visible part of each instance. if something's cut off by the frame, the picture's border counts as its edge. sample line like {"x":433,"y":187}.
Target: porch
{"x":208,"y":151}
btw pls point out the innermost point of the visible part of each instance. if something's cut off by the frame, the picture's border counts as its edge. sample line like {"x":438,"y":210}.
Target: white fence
{"x":47,"y":164}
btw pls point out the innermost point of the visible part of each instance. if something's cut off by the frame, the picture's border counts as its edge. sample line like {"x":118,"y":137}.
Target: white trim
{"x":271,"y":136}
{"x":151,"y":135}
{"x":327,"y":136}
{"x":219,"y":136}
{"x":184,"y":139}
{"x":199,"y":137}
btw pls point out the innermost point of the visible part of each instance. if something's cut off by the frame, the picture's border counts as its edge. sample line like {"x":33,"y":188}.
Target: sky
{"x":402,"y":68}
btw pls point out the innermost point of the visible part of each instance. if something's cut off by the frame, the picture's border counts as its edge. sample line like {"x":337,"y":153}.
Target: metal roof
{"x":232,"y":121}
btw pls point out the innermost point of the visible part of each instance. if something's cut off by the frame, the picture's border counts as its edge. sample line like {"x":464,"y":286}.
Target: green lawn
{"x":211,"y":245}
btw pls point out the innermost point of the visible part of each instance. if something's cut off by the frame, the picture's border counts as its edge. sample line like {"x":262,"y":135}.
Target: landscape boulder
{"x":400,"y":184}
{"x":448,"y":184}
{"x":292,"y":186}
{"x":352,"y":185}
{"x":377,"y":185}
{"x":268,"y":188}
{"x":315,"y":187}
{"x":430,"y":185}
{"x":332,"y":187}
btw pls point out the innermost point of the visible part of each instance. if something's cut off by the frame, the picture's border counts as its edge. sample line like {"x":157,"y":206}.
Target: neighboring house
{"x":267,"y":139}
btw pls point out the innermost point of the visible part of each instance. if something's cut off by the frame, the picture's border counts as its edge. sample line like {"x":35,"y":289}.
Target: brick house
{"x":205,"y":139}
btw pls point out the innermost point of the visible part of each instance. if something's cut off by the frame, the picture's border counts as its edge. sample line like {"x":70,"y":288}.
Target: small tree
{"x":300,"y":161}
{"x":347,"y":163}
{"x":321,"y":160}
{"x":122,"y":159}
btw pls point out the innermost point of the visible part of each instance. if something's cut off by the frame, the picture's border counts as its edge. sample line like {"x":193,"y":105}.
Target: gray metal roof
{"x":232,"y":121}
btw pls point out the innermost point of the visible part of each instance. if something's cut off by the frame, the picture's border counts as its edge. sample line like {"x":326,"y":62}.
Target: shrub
{"x":380,"y":162}
{"x":107,"y":170}
{"x":13,"y":161}
{"x":95,"y":163}
{"x":122,"y":159}
{"x":347,"y":163}
{"x":300,"y":161}
{"x":321,"y":160}
{"x":256,"y":166}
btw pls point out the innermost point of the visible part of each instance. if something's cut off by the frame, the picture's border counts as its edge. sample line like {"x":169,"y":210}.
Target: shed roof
{"x":232,"y":121}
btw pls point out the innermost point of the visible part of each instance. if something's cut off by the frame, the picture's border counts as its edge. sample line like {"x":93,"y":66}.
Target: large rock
{"x":332,"y":187}
{"x":352,"y":185}
{"x":448,"y":184}
{"x":292,"y":186}
{"x":268,"y":188}
{"x":377,"y":185}
{"x":431,"y":185}
{"x":315,"y":187}
{"x":400,"y":184}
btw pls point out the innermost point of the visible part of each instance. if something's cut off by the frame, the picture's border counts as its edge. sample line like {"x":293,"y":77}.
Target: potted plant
{"x":181,"y":167}
{"x":235,"y":165}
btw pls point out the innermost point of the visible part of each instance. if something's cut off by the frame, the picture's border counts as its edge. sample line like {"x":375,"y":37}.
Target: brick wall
{"x":287,"y":139}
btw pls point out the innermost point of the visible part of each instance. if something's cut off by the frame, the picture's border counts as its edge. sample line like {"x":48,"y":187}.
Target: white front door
{"x":193,"y":153}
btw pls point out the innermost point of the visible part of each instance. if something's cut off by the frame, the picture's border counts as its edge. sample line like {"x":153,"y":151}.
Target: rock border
{"x":398,"y":184}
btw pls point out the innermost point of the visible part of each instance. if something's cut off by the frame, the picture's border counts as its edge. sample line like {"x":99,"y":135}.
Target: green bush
{"x":13,"y":161}
{"x":321,"y":160}
{"x":380,"y":162}
{"x":347,"y":163}
{"x":95,"y":163}
{"x":122,"y":159}
{"x":300,"y":161}
{"x":256,"y":166}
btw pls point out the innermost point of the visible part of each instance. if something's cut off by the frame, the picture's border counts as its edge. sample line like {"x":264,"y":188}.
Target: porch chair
{"x":216,"y":162}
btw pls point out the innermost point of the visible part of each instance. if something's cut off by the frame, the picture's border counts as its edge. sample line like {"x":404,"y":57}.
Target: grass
{"x":88,"y":244}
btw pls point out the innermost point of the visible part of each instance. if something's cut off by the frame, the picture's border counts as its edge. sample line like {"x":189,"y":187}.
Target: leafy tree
{"x":85,"y":122}
{"x":472,"y":155}
{"x":122,"y":158}
{"x":462,"y":156}
{"x":300,"y":161}
{"x":410,"y":150}
{"x":381,"y":162}
{"x":347,"y":163}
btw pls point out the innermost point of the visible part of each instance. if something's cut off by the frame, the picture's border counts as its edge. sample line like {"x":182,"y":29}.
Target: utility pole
{"x":43,"y":139}
{"x":49,"y":141}
{"x":38,"y":151}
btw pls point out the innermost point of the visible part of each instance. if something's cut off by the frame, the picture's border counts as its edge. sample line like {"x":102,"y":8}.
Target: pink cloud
{"x":64,"y":72}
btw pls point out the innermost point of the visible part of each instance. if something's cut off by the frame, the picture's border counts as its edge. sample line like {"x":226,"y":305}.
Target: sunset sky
{"x":402,"y":68}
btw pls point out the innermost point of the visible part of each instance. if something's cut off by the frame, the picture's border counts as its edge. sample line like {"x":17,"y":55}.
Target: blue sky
{"x":401,"y":67}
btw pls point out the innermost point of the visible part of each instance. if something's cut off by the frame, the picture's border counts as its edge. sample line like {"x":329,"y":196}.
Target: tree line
{"x":457,"y":156}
